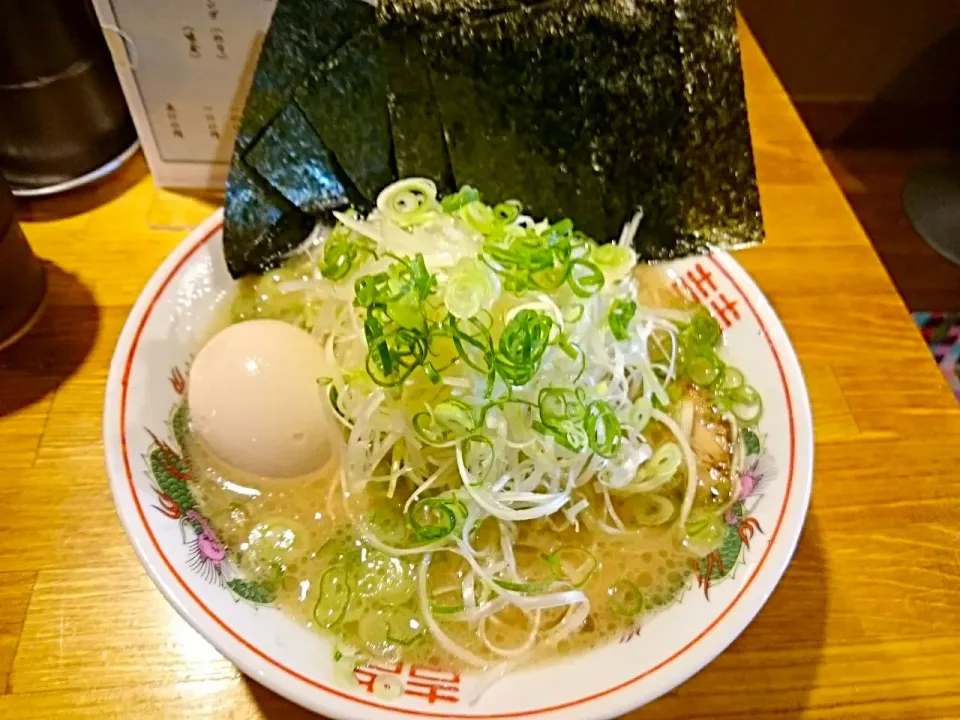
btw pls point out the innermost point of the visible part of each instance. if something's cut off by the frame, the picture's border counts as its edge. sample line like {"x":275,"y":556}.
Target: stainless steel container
{"x":62,"y":112}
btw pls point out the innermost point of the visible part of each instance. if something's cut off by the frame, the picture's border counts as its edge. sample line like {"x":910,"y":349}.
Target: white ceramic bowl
{"x":182,"y":556}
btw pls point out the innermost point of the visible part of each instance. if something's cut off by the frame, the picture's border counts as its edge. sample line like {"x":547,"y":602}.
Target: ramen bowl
{"x":144,"y":425}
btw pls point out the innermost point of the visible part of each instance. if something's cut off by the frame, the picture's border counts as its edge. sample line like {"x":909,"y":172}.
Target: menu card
{"x":185,"y":67}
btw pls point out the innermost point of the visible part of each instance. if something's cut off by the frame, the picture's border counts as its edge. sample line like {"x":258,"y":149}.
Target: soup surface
{"x":291,"y":538}
{"x":536,"y":441}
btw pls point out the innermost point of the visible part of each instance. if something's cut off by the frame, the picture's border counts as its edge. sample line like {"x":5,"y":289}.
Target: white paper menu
{"x":185,"y":67}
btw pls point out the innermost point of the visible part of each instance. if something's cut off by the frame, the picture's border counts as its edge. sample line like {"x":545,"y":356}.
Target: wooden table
{"x":866,"y":622}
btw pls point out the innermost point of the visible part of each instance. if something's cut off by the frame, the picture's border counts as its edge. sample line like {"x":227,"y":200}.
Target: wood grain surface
{"x":865,"y":624}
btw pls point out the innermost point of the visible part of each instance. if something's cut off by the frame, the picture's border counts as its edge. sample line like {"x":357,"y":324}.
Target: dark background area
{"x":877,"y":83}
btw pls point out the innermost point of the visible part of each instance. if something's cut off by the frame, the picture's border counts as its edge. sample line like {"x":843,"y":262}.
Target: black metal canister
{"x":62,"y":112}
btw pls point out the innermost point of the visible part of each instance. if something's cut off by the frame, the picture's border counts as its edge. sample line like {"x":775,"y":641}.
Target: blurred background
{"x":877,"y":83}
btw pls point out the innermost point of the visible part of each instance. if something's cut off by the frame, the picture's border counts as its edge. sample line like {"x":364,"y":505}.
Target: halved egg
{"x":256,"y":401}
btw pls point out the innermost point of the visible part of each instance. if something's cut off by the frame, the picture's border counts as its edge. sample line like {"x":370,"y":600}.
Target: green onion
{"x":341,"y":250}
{"x":274,"y":542}
{"x":702,"y":535}
{"x":409,"y":202}
{"x":565,"y":417}
{"x":562,"y":413}
{"x":471,"y":287}
{"x":499,"y":404}
{"x":703,"y":331}
{"x":431,"y":372}
{"x":698,"y":343}
{"x":507,"y":212}
{"x":334,"y":396}
{"x":388,"y":524}
{"x":435,"y":518}
{"x":473,"y":343}
{"x":585,"y":278}
{"x":372,"y":630}
{"x":603,"y":429}
{"x":544,"y":260}
{"x":704,"y":369}
{"x":621,"y":313}
{"x":574,"y":352}
{"x":581,"y":246}
{"x":429,"y":430}
{"x":550,"y":279}
{"x":451,"y":203}
{"x":664,"y":462}
{"x":403,"y":627}
{"x":438,"y":609}
{"x":647,"y":509}
{"x":344,"y":665}
{"x":573,"y":564}
{"x":572,"y":313}
{"x":480,"y":217}
{"x":731,"y":379}
{"x":570,"y":435}
{"x":747,"y":406}
{"x":523,"y":263}
{"x":640,"y":413}
{"x":395,"y":326}
{"x":392,"y":358}
{"x":338,"y":551}
{"x":524,"y":588}
{"x":334,"y":598}
{"x":615,"y":261}
{"x":522,"y":345}
{"x":370,"y":289}
{"x":406,"y":311}
{"x":478,"y":457}
{"x":560,"y":228}
{"x":560,"y":404}
{"x":626,"y":599}
{"x":455,"y":415}
{"x":338,"y":258}
{"x":423,"y":282}
{"x":380,"y":577}
{"x":535,"y":573}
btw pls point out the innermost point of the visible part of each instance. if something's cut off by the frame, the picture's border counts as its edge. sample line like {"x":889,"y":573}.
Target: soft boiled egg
{"x":256,"y":403}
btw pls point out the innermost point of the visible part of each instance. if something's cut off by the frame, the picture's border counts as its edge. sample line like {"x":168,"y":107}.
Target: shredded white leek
{"x":479,"y":431}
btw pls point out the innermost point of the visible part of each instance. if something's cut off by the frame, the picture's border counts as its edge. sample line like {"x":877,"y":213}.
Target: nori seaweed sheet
{"x":412,"y":13}
{"x":293,"y":160}
{"x":578,"y":106}
{"x":281,"y":168}
{"x":262,"y":225}
{"x":512,"y":112}
{"x":586,"y":109}
{"x":635,"y":107}
{"x":564,"y":105}
{"x":302,"y":34}
{"x":718,"y":189}
{"x":345,"y":99}
{"x":418,"y":144}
